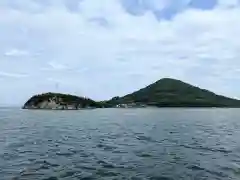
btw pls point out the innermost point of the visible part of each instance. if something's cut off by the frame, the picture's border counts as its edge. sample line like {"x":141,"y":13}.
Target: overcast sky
{"x":104,"y":48}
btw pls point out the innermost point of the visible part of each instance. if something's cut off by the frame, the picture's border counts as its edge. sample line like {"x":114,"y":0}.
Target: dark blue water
{"x":157,"y":144}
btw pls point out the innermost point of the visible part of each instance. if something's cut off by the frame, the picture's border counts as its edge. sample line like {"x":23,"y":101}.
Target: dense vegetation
{"x":175,"y":93}
{"x":163,"y":93}
{"x":62,"y":99}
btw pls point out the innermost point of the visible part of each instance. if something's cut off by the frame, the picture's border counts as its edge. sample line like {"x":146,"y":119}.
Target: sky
{"x":107,"y":48}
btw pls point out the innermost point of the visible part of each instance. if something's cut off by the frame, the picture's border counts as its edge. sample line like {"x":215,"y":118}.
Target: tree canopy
{"x":175,"y":93}
{"x":163,"y":93}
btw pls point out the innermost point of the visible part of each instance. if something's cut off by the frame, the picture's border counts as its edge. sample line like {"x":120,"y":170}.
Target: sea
{"x":119,"y":144}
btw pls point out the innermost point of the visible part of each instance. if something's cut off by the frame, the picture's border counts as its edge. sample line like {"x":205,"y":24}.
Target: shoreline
{"x":45,"y":109}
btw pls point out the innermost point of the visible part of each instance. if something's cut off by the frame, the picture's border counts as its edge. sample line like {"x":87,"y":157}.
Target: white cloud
{"x":12,"y":75}
{"x":228,"y":3}
{"x":57,"y":66}
{"x":197,"y":46}
{"x":16,"y":52}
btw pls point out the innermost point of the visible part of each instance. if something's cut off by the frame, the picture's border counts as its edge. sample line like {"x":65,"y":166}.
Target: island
{"x":58,"y":101}
{"x":166,"y":92}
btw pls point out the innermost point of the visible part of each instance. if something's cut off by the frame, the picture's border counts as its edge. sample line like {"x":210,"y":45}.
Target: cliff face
{"x":53,"y":103}
{"x":58,"y":101}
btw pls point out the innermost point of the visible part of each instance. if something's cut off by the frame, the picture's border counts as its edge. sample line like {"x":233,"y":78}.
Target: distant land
{"x":163,"y":93}
{"x":57,"y":101}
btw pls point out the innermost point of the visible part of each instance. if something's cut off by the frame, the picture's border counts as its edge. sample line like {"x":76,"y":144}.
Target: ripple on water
{"x":106,"y":147}
{"x":106,"y":164}
{"x":67,"y":174}
{"x":221,"y":149}
{"x":199,"y":168}
{"x":51,"y":178}
{"x":160,"y":178}
{"x":46,"y":163}
{"x":143,"y":154}
{"x":65,"y":154}
{"x":154,"y":144}
{"x":145,"y":138}
{"x":106,"y":173}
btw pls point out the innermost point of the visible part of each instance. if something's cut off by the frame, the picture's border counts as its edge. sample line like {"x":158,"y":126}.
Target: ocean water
{"x":136,"y":144}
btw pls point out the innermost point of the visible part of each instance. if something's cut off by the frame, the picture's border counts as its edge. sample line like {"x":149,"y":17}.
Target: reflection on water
{"x":161,"y":144}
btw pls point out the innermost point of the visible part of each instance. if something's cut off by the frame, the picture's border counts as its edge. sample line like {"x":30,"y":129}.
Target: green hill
{"x":175,"y":93}
{"x":59,"y":101}
{"x":163,"y":93}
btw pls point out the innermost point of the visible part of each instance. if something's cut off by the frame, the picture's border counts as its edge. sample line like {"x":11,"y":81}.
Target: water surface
{"x":156,"y":144}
